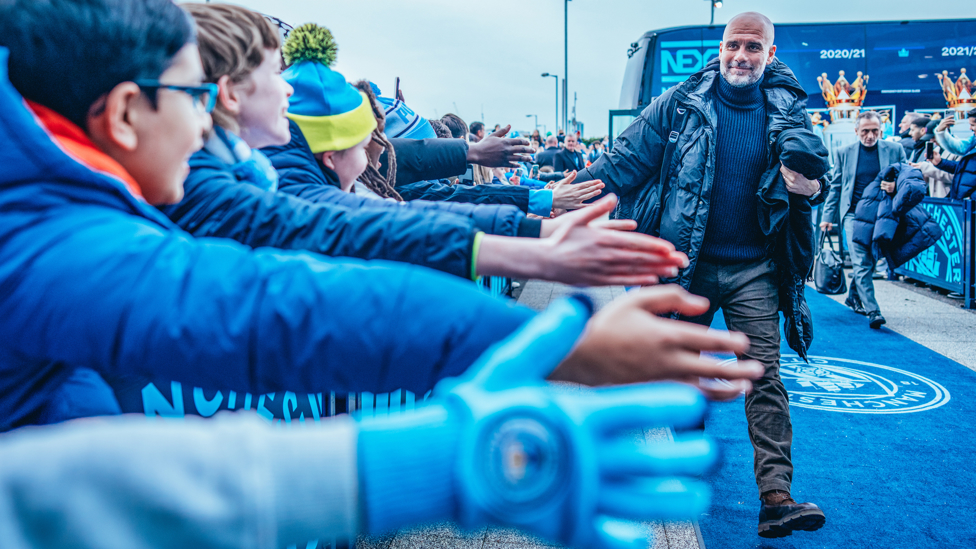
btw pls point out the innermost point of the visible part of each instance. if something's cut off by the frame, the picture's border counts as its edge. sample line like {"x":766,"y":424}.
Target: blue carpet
{"x":884,"y":441}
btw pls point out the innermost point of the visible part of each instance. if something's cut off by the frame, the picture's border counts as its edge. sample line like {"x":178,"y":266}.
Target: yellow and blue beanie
{"x":333,"y":115}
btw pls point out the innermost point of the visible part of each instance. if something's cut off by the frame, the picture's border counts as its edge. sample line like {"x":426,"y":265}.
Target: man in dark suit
{"x":569,"y":158}
{"x":546,"y":157}
{"x":858,"y":165}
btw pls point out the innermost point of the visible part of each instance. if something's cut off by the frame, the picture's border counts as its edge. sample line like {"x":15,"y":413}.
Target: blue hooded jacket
{"x":299,"y":174}
{"x":964,"y":174}
{"x":95,"y":283}
{"x":217,"y":203}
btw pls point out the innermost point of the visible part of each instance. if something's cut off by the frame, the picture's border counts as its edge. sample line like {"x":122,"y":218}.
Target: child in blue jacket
{"x":97,"y":283}
{"x":230,"y":189}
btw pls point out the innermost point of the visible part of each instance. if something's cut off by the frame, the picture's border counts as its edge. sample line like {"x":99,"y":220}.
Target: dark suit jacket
{"x":545,"y":158}
{"x":838,"y":202}
{"x":568,"y":160}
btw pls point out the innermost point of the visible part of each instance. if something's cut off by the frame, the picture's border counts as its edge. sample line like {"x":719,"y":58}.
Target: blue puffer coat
{"x":216,"y":203}
{"x":422,"y":162}
{"x":443,"y":191}
{"x":94,"y":283}
{"x":964,"y":174}
{"x":299,"y":174}
{"x":895,"y":227}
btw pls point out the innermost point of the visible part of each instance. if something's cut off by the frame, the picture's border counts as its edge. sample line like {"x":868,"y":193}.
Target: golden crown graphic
{"x":958,"y":94}
{"x":844,"y":95}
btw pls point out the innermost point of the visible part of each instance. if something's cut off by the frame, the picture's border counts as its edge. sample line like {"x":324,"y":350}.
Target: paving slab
{"x":927,"y":318}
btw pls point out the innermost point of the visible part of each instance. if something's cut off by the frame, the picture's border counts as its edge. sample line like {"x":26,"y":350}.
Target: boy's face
{"x":348,"y":164}
{"x":154,"y":144}
{"x":264,"y":101}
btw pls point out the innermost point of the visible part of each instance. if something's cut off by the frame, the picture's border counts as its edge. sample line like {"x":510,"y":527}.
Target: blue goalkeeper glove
{"x":501,"y":446}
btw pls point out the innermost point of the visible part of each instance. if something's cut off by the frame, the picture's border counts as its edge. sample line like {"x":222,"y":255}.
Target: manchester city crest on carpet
{"x":857,"y":387}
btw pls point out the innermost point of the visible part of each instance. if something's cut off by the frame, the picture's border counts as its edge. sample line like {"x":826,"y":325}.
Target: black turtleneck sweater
{"x":733,"y":234}
{"x":868,"y":167}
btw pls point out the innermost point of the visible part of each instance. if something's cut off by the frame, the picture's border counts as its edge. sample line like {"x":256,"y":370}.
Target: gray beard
{"x":737,"y":81}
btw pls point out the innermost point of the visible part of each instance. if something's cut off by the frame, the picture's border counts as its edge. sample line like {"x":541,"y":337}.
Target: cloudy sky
{"x":483,"y":59}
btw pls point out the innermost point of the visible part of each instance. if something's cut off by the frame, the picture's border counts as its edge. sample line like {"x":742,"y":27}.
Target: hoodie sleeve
{"x":513,"y":195}
{"x":427,"y":159}
{"x":100,"y":289}
{"x":951,"y":143}
{"x":300,"y":175}
{"x":216,"y":204}
{"x":126,"y":482}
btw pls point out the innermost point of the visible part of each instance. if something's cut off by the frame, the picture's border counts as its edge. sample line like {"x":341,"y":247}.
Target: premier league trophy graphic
{"x":844,"y":100}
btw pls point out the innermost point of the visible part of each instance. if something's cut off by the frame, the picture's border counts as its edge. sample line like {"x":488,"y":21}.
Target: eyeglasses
{"x":204,"y":96}
{"x":284,"y":29}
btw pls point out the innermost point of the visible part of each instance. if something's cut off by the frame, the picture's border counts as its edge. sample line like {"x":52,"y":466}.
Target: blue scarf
{"x":248,"y":165}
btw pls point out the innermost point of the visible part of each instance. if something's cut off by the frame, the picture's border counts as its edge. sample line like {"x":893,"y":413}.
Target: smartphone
{"x":396,"y":89}
{"x":929,"y":150}
{"x":949,"y":113}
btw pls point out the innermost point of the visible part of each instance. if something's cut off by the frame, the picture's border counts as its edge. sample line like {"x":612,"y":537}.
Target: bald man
{"x":715,"y":130}
{"x":547,"y":157}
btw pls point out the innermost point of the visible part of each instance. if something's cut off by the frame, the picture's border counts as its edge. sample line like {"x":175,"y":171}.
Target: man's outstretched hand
{"x":498,"y":151}
{"x":580,"y":251}
{"x":567,"y":195}
{"x":627,"y":342}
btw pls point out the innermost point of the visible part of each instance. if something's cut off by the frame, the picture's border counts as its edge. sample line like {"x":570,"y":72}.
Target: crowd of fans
{"x":546,"y":167}
{"x":928,"y":141}
{"x":192,"y":195}
{"x":924,"y":159}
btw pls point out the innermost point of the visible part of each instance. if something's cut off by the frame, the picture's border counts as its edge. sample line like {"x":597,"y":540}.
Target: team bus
{"x":901,"y":60}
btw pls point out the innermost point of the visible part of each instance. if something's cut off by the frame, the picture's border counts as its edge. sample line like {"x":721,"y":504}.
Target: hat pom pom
{"x":310,"y":42}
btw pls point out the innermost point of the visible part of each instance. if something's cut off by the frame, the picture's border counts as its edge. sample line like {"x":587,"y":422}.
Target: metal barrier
{"x":495,"y":285}
{"x":950,"y":263}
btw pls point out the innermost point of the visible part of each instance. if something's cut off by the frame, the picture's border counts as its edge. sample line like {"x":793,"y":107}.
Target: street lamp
{"x":715,"y":4}
{"x":556,"y":76}
{"x":536,"y":120}
{"x":565,"y":66}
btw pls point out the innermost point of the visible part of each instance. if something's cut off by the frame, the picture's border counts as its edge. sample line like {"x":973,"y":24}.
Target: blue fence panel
{"x":949,"y":263}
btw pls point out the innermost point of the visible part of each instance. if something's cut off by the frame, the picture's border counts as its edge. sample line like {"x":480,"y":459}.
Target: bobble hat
{"x":333,"y":115}
{"x":401,"y":120}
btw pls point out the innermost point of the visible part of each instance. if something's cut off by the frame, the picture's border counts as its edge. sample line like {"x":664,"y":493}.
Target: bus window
{"x":901,"y":59}
{"x":678,"y":55}
{"x":904,"y":59}
{"x":812,"y":50}
{"x":633,"y":73}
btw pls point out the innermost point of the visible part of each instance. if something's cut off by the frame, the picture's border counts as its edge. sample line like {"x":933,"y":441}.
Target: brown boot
{"x":779,"y":515}
{"x":777,"y":497}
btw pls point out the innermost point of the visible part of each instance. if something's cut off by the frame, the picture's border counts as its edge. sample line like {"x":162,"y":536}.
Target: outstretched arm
{"x":579,"y":251}
{"x":636,"y":154}
{"x":220,"y":483}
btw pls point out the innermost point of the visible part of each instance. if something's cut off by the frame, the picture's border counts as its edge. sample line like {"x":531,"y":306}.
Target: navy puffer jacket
{"x":299,"y":174}
{"x":514,"y":195}
{"x":964,"y":174}
{"x":216,"y":203}
{"x":895,"y":227}
{"x":422,"y":162}
{"x":96,"y":283}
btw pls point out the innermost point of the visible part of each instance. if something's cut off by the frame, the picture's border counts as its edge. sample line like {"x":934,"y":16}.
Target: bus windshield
{"x":901,"y":60}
